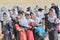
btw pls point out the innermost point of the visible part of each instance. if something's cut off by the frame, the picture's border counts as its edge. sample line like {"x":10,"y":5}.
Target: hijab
{"x":53,"y":17}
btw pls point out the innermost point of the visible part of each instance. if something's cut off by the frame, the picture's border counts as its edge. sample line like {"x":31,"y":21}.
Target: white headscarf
{"x":4,"y":9}
{"x":23,"y":22}
{"x":53,"y":17}
{"x":14,"y":14}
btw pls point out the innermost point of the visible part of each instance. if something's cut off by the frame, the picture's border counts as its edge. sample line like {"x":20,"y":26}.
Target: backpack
{"x":40,"y":32}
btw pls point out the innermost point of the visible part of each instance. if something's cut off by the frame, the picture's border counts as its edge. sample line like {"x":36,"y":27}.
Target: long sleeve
{"x":11,"y":26}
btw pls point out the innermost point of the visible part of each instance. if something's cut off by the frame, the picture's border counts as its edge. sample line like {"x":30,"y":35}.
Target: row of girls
{"x":20,"y":25}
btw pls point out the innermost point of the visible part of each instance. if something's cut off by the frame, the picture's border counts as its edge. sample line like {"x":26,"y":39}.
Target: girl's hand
{"x":38,"y":24}
{"x":49,"y":30}
{"x":21,"y":29}
{"x":13,"y":36}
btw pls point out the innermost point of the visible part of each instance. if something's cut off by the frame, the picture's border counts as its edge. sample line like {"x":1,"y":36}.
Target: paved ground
{"x":45,"y":38}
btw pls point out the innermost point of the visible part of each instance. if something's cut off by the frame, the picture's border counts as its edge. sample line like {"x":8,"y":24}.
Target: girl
{"x":7,"y":28}
{"x":4,"y":9}
{"x":52,"y":25}
{"x":28,"y":18}
{"x":29,"y":31}
{"x":14,"y":14}
{"x":37,"y":22}
{"x":22,"y":22}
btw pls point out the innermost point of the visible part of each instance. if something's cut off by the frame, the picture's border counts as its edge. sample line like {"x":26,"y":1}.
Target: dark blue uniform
{"x":7,"y":30}
{"x":53,"y":35}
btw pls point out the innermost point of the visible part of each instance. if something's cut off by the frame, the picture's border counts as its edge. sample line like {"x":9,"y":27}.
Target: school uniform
{"x":1,"y":18}
{"x":52,"y":25}
{"x":7,"y":29}
{"x":4,"y":9}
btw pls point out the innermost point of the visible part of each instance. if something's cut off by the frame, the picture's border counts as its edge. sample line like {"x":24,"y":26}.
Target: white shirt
{"x":30,"y":20}
{"x":23,"y":22}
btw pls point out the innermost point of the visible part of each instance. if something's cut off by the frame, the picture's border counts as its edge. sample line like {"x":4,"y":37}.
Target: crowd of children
{"x":27,"y":21}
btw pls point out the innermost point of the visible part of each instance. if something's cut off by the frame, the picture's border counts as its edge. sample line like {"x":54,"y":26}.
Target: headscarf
{"x":4,"y":9}
{"x":14,"y":14}
{"x":23,"y":22}
{"x":53,"y":17}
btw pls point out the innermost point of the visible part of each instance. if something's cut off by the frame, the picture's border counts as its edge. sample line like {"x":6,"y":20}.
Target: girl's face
{"x":27,"y":16}
{"x":32,"y":16}
{"x":5,"y":17}
{"x":14,"y":10}
{"x":50,"y":12}
{"x":19,"y":16}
